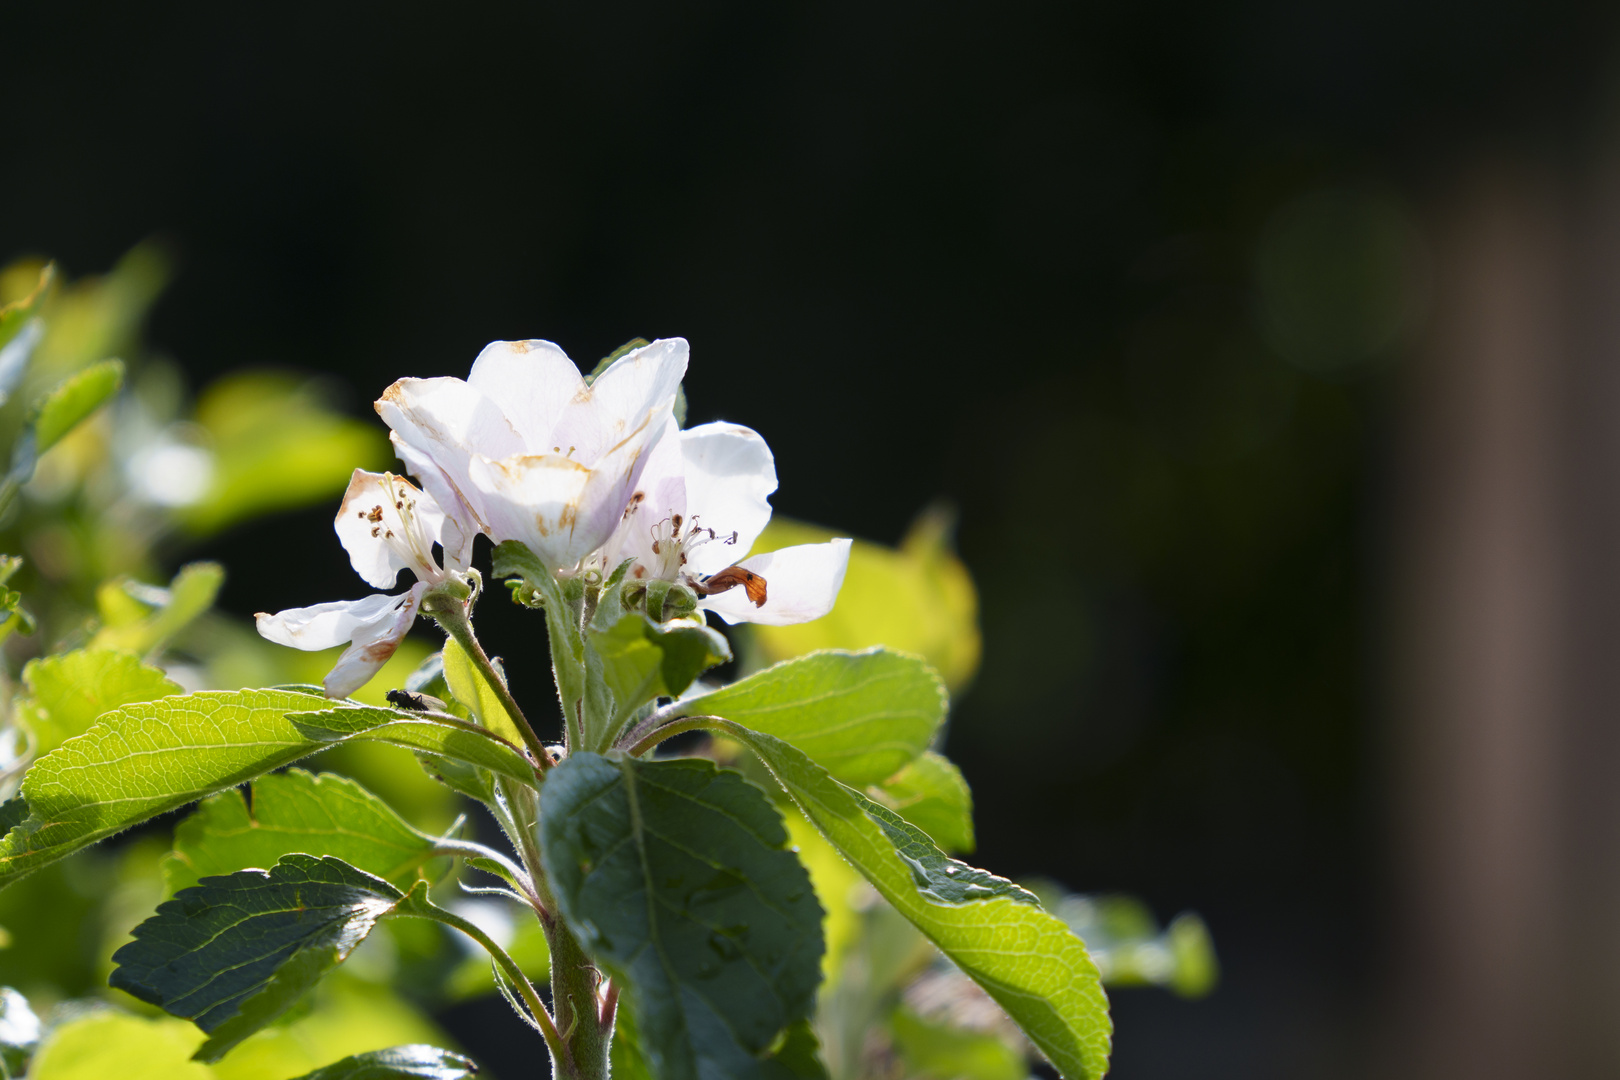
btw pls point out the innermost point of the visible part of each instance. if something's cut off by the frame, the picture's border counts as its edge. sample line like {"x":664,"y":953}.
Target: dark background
{"x":1003,"y":254}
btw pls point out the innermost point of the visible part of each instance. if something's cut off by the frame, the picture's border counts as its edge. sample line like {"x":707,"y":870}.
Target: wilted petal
{"x":621,"y":401}
{"x":324,"y":626}
{"x":383,"y":537}
{"x":448,"y":422}
{"x":372,"y":646}
{"x":730,"y":475}
{"x":532,"y":382}
{"x":801,"y":582}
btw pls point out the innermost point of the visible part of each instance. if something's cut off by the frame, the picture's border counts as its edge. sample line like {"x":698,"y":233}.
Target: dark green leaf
{"x":233,"y":953}
{"x":931,"y":794}
{"x":68,"y":691}
{"x":676,"y":877}
{"x":798,"y":1057}
{"x":861,"y":716}
{"x":441,"y":736}
{"x":996,"y":932}
{"x":398,"y":1063}
{"x":145,"y":759}
{"x":296,"y":811}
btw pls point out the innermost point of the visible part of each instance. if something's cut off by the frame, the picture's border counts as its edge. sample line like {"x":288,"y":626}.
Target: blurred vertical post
{"x":1508,"y":721}
{"x":1480,"y":698}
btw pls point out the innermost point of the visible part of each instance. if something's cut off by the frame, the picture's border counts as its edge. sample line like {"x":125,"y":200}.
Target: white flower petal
{"x":662,"y":494}
{"x":621,"y":401}
{"x":376,"y":534}
{"x":730,"y":475}
{"x":801,"y":584}
{"x":448,"y":421}
{"x":324,"y":626}
{"x":459,"y":528}
{"x":372,"y":647}
{"x":531,"y":381}
{"x":534,"y":500}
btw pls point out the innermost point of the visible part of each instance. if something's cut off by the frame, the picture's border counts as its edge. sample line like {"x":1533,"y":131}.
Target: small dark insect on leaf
{"x":405,"y":699}
{"x":730,"y":578}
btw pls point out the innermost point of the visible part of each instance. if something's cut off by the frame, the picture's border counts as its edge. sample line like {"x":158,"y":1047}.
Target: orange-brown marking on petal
{"x":730,"y":578}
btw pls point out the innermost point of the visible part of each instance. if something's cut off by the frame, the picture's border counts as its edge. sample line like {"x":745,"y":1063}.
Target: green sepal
{"x":677,"y":878}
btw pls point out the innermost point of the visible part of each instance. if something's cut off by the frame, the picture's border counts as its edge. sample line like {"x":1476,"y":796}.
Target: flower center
{"x":397,"y":524}
{"x":674,"y":537}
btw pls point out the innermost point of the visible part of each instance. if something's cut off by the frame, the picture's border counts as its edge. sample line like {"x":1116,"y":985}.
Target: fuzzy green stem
{"x":650,"y":739}
{"x":451,"y":615}
{"x":586,"y":1029}
{"x":531,"y":997}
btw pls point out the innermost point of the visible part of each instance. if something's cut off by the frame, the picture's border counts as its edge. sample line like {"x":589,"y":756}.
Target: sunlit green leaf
{"x":233,"y":953}
{"x":296,"y":811}
{"x":643,"y":660}
{"x":476,"y":695}
{"x":111,"y":1044}
{"x":144,"y":759}
{"x":442,"y":736}
{"x":996,"y":932}
{"x":67,"y":691}
{"x":161,"y":613}
{"x":277,"y":445}
{"x":931,"y":794}
{"x":862,"y":716}
{"x":398,"y":1063}
{"x":918,"y":598}
{"x":72,"y":401}
{"x":942,"y":1052}
{"x":677,"y":879}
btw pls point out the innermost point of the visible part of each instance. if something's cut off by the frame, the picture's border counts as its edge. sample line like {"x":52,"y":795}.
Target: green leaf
{"x":918,"y":598}
{"x":145,"y":759}
{"x":441,"y":736}
{"x":19,"y":1034}
{"x":469,"y":688}
{"x":233,"y":953}
{"x":643,"y":660}
{"x":931,"y":794}
{"x":798,"y":1057}
{"x":942,"y":1052}
{"x":676,"y":877}
{"x":66,"y":692}
{"x":71,"y":401}
{"x":996,"y":932}
{"x":296,"y":811}
{"x":277,"y":444}
{"x":15,"y":315}
{"x":129,"y":625}
{"x":110,"y":1044}
{"x":861,"y":716}
{"x":398,"y":1063}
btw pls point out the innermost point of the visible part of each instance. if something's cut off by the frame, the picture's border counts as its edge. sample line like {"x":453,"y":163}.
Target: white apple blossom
{"x":387,"y":525}
{"x":702,"y":501}
{"x":524,"y":450}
